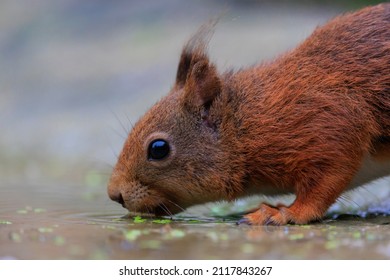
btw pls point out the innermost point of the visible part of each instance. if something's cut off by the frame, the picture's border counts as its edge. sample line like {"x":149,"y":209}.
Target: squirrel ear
{"x":198,"y":78}
{"x":203,"y":84}
{"x":194,"y":51}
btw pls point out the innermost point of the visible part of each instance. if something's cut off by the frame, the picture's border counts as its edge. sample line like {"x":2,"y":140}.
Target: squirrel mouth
{"x":160,"y":209}
{"x":142,"y":199}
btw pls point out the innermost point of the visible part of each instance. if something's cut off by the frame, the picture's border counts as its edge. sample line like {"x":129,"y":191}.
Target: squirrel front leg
{"x":311,"y":203}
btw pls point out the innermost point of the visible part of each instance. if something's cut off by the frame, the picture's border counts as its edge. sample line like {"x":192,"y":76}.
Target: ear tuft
{"x":183,"y":68}
{"x":194,"y":51}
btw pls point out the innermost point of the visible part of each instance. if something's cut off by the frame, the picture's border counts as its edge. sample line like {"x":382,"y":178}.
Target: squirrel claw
{"x":269,"y":215}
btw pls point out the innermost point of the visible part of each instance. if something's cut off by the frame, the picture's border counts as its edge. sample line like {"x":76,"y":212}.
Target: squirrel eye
{"x":158,"y":149}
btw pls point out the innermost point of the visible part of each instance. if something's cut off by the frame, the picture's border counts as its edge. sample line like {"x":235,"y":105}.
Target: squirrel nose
{"x":116,"y":195}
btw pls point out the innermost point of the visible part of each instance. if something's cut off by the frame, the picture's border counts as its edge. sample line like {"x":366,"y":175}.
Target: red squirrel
{"x":314,"y":122}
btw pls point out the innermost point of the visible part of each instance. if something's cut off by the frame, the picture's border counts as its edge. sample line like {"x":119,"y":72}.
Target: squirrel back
{"x":329,"y":96}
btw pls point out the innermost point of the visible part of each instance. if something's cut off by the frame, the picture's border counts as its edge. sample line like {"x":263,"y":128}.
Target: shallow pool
{"x":71,"y":222}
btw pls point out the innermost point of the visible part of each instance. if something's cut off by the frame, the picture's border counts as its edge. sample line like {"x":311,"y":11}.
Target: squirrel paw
{"x":269,"y":215}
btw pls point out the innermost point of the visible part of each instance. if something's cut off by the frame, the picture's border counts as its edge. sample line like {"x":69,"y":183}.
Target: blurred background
{"x":74,"y":75}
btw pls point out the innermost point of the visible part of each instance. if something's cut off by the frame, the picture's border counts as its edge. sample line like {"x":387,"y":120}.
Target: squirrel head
{"x":176,"y":155}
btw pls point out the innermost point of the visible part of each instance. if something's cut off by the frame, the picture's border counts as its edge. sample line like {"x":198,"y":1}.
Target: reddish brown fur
{"x":301,"y":124}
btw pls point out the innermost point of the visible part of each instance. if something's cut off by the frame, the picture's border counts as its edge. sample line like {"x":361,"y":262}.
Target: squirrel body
{"x":314,"y":122}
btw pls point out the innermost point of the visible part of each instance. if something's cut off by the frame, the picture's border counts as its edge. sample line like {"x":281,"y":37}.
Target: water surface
{"x":65,"y":223}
